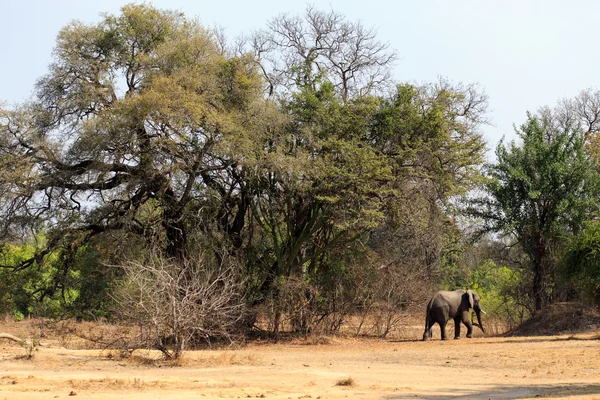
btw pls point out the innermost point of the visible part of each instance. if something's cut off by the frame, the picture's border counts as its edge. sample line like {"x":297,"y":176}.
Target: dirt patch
{"x":491,"y":368}
{"x":560,"y":318}
{"x":533,"y":367}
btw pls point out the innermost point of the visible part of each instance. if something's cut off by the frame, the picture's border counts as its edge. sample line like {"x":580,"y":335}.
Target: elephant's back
{"x":448,"y":300}
{"x":447,"y":294}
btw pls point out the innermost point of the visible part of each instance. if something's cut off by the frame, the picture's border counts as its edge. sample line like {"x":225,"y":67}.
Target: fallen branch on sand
{"x":27,"y":342}
{"x":11,"y":337}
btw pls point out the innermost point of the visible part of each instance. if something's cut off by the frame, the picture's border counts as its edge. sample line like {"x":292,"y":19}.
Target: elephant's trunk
{"x":478,"y":313}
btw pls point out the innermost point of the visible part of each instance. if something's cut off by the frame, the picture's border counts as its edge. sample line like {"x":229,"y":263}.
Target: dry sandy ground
{"x":488,"y":368}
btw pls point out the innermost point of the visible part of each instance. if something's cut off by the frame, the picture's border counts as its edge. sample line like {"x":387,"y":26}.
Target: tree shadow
{"x":511,"y":339}
{"x":520,"y":339}
{"x":503,"y":392}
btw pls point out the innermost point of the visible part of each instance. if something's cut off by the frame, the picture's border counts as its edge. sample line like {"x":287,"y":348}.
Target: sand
{"x":492,"y":368}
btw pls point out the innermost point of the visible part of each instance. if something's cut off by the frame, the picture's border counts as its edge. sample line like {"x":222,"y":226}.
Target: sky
{"x":524,"y":53}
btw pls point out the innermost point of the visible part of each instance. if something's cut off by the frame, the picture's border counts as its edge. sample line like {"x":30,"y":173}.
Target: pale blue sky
{"x":525,"y":53}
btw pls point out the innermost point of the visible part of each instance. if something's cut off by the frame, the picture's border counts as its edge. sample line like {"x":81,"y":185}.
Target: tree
{"x":136,"y":120}
{"x":583,"y":109}
{"x":321,"y":187}
{"x":297,"y":52}
{"x":540,"y":190}
{"x":430,"y":135}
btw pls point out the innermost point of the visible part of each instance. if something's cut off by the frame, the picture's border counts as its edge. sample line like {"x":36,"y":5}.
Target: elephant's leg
{"x":467,"y":321}
{"x":457,"y":322}
{"x":443,"y":329}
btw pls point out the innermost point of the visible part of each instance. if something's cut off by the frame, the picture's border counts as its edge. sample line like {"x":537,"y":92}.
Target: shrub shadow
{"x":504,"y":392}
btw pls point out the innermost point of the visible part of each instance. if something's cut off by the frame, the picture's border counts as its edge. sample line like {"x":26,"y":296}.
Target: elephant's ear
{"x":471,"y":301}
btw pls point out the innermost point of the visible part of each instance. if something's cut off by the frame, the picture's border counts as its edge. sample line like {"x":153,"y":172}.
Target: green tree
{"x":137,"y":118}
{"x":430,"y":136}
{"x":540,"y":190}
{"x":321,"y":187}
{"x":46,"y":289}
{"x":582,"y":261}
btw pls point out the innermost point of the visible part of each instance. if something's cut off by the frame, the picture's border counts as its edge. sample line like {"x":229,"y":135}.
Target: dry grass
{"x":119,"y":341}
{"x":154,"y":358}
{"x":313,"y":341}
{"x":114,"y":384}
{"x":100,"y":335}
{"x":225,"y":358}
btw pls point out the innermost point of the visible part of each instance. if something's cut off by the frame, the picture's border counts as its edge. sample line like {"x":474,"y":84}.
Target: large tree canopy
{"x":138,"y":115}
{"x":148,"y":130}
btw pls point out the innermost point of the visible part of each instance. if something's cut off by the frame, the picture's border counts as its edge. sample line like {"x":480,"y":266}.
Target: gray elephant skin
{"x":445,"y":305}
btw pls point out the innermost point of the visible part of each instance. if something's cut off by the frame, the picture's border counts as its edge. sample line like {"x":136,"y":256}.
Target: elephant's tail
{"x":428,"y":323}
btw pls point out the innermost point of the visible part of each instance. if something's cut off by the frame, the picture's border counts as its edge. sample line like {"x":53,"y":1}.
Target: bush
{"x":581,"y":262}
{"x":501,"y":289}
{"x":181,"y":302}
{"x":489,"y":269}
{"x":58,"y":285}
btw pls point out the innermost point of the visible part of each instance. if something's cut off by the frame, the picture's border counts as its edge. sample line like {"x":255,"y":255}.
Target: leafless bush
{"x":178,"y":302}
{"x":309,"y":308}
{"x":397,"y":293}
{"x":370,"y":300}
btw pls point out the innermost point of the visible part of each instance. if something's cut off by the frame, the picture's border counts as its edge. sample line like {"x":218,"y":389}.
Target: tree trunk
{"x":176,"y":239}
{"x":539,"y":260}
{"x":538,"y":284}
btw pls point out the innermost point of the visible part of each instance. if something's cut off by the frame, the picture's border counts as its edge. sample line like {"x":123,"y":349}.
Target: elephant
{"x":445,"y":305}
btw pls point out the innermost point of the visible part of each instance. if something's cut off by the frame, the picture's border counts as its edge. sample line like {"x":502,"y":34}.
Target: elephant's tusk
{"x":483,"y":311}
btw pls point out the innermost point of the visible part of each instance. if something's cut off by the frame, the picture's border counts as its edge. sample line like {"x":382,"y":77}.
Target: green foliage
{"x":33,"y":290}
{"x":581,"y":261}
{"x":544,"y":185}
{"x":496,"y":286}
{"x":430,"y":133}
{"x":500,"y":286}
{"x":48,"y":289}
{"x":539,"y":191}
{"x":93,"y":283}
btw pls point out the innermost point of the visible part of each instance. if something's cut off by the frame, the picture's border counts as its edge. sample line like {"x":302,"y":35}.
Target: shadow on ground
{"x":510,"y":339}
{"x":503,"y":392}
{"x":547,"y":339}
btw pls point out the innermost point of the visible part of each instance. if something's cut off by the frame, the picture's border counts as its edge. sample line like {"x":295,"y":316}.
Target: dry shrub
{"x":346,"y":382}
{"x":494,"y":325}
{"x":370,"y":300}
{"x":391,"y":299}
{"x":180,"y":303}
